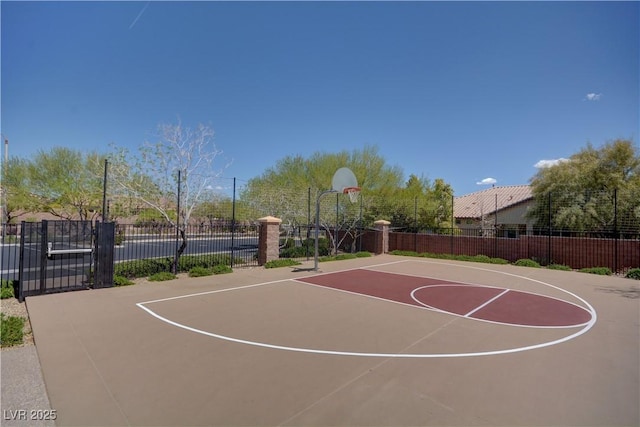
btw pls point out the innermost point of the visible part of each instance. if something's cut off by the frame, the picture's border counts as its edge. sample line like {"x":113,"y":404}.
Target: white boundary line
{"x":587,"y":327}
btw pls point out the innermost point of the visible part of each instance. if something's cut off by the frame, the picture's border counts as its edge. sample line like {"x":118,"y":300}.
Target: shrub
{"x":307,"y":247}
{"x":6,"y":289}
{"x":603,"y":271}
{"x":470,"y":258}
{"x":148,"y":267}
{"x":200,"y":272}
{"x":121,"y":281}
{"x":221,"y":269}
{"x":283,"y":262}
{"x":559,"y":267}
{"x":340,"y":257}
{"x":526,"y":263}
{"x":142,"y":267}
{"x":404,"y":253}
{"x":11,"y":330}
{"x":634,"y":273}
{"x":162,"y":276}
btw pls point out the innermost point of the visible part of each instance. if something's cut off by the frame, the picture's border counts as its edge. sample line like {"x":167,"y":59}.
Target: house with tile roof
{"x":502,"y":209}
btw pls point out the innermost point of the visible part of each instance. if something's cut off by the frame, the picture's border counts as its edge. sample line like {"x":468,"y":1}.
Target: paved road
{"x":138,"y":248}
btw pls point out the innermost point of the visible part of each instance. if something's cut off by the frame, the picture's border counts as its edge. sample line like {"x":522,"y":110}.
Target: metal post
{"x":549,"y":234}
{"x":233,"y":221}
{"x":3,"y":192}
{"x":415,"y":223}
{"x":306,"y":246}
{"x":335,"y":234}
{"x":175,"y":257}
{"x":317,"y":233}
{"x":616,"y":233}
{"x":453,"y":222}
{"x":360,"y":227}
{"x":44,"y":238}
{"x":104,"y":193}
{"x":495,"y":228}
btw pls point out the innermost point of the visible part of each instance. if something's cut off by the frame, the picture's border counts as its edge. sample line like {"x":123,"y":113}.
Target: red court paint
{"x":473,"y":301}
{"x":523,"y":308}
{"x":393,"y":287}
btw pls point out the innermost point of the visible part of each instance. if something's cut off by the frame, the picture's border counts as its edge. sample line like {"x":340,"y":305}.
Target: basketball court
{"x":387,"y":340}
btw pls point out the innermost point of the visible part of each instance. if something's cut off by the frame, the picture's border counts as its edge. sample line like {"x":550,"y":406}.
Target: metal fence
{"x":237,"y":245}
{"x":580,"y":250}
{"x":55,"y":256}
{"x":578,"y":230}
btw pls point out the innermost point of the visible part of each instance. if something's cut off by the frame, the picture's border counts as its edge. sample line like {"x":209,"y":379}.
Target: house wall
{"x":510,"y":217}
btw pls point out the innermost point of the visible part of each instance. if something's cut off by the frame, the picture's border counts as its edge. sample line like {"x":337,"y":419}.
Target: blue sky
{"x":461,"y":91}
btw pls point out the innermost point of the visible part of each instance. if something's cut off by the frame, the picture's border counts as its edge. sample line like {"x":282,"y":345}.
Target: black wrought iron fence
{"x":222,"y":243}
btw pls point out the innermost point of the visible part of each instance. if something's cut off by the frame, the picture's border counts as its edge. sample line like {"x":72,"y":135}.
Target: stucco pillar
{"x":382,"y":236}
{"x":269,"y":239}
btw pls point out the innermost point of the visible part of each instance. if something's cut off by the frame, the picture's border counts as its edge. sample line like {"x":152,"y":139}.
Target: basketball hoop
{"x":344,"y":181}
{"x":353,"y":193}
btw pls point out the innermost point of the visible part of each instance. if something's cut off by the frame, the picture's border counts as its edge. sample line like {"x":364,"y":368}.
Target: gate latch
{"x":51,"y":251}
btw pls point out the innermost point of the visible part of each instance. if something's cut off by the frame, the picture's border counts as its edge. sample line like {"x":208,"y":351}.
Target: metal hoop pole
{"x":317,"y":233}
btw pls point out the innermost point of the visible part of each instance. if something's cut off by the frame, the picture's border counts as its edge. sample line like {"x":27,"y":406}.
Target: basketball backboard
{"x":343,"y":179}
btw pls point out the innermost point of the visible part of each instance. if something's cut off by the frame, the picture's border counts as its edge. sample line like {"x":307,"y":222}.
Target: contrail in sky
{"x":139,"y":15}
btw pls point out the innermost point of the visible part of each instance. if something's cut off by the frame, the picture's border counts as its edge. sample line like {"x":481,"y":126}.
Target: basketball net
{"x":353,"y":193}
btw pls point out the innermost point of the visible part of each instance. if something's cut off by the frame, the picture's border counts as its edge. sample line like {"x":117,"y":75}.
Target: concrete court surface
{"x":107,"y":361}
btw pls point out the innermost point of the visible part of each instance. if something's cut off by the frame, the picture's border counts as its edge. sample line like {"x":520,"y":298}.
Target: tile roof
{"x":476,"y":204}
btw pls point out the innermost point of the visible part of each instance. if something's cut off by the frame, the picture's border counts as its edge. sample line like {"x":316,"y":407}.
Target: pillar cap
{"x":382,"y":222}
{"x":270,"y":220}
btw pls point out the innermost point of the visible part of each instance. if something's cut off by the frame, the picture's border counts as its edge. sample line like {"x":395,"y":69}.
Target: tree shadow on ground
{"x":631,"y":292}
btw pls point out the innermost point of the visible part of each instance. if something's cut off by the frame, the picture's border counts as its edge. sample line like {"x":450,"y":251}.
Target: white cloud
{"x":487,"y":181}
{"x":548,"y":163}
{"x":593,"y":97}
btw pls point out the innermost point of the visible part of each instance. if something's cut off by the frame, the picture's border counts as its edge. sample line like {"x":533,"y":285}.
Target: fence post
{"x":453,"y":223}
{"x":415,"y":224}
{"x":382,"y":236}
{"x":616,"y":233}
{"x":308,"y":220}
{"x":175,"y":256}
{"x":44,"y":238}
{"x":549,"y":259}
{"x":233,"y":222}
{"x":104,"y":192}
{"x":268,"y":239}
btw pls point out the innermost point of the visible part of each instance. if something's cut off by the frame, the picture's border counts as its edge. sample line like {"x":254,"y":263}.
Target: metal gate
{"x":57,"y":256}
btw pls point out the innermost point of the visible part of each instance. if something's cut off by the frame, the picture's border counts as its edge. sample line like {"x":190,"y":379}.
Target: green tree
{"x":17,"y":189}
{"x":283,"y":190}
{"x":419,"y":205}
{"x":290,"y":189}
{"x":66,"y":183}
{"x":580,"y":193}
{"x":436,"y":212}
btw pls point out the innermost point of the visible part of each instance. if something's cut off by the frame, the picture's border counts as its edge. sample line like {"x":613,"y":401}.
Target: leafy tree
{"x":215,"y":211}
{"x":582,"y":190}
{"x":283,"y":190}
{"x":66,"y":183}
{"x":291,"y":188}
{"x":16,"y":188}
{"x":419,"y":205}
{"x":152,"y":177}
